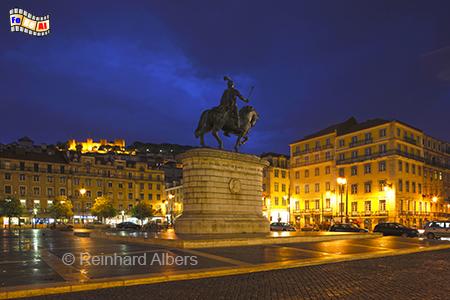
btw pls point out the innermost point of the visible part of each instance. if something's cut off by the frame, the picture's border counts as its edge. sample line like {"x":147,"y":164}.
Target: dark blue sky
{"x":144,"y":70}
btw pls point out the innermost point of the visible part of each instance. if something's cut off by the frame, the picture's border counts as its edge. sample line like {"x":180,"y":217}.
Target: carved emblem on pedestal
{"x":234,"y":185}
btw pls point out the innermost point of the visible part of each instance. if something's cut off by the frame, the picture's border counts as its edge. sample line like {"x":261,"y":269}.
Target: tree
{"x":103,"y":208}
{"x":11,"y":208}
{"x":142,"y":211}
{"x":61,"y":208}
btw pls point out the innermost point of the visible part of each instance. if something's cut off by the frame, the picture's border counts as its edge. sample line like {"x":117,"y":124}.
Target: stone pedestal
{"x":222,"y":193}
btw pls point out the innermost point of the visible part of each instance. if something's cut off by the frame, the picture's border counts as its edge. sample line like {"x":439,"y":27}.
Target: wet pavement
{"x":37,"y":256}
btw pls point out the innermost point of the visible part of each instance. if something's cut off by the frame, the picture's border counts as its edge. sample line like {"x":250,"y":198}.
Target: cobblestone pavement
{"x":423,"y":275}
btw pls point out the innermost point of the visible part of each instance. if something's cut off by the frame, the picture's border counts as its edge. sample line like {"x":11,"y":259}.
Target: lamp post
{"x":123,"y":215}
{"x":342,"y":181}
{"x":82,"y":193}
{"x":34,"y":217}
{"x":171,"y":196}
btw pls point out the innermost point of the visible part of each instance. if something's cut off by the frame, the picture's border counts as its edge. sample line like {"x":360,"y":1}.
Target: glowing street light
{"x":341,"y":181}
{"x":434,"y":199}
{"x":82,"y":193}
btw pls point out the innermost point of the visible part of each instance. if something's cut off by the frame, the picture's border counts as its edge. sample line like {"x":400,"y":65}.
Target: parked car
{"x":310,"y":228}
{"x":396,"y":229}
{"x":437,"y":229}
{"x":128,"y":225}
{"x":347,"y":228}
{"x":279,"y":226}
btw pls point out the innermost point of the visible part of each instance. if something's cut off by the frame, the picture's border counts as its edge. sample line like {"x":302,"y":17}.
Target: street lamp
{"x":342,"y":181}
{"x":123,"y":215}
{"x":434,"y":199}
{"x":82,"y":193}
{"x":170,"y":204}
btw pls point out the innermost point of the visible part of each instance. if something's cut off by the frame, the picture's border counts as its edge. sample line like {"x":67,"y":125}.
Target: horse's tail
{"x":201,"y":123}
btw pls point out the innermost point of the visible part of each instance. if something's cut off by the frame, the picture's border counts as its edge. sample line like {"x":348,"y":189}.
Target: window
{"x":306,"y":173}
{"x":130,"y":196}
{"x":7,"y":176}
{"x":382,"y":205}
{"x":275,"y":187}
{"x":419,"y":187}
{"x":400,"y":166}
{"x":283,"y":174}
{"x":367,"y":168}
{"x":36,"y":191}
{"x":354,"y":206}
{"x":413,"y":168}
{"x":327,"y":170}
{"x":276,"y":201}
{"x":327,"y":186}
{"x":400,"y":185}
{"x":62,"y":180}
{"x":283,"y":201}
{"x":328,"y":155}
{"x":283,"y":187}
{"x":297,"y":174}
{"x":341,"y":156}
{"x":88,"y":182}
{"x":50,"y":192}
{"x":275,"y":173}
{"x":407,"y":186}
{"x":150,"y":196}
{"x":317,"y":187}
{"x":341,"y":172}
{"x":316,"y":157}
{"x":130,"y":185}
{"x":22,"y":191}
{"x":355,"y":154}
{"x":317,"y":204}
{"x":398,"y":132}
{"x":382,"y":132}
{"x":327,"y":203}
{"x":354,"y":170}
{"x":306,"y":188}
{"x":368,"y":136}
{"x":381,"y":185}
{"x":382,"y":148}
{"x":49,"y":169}
{"x":354,"y":139}
{"x":306,"y":204}
{"x":36,"y":167}
{"x":368,"y":206}
{"x":22,"y":166}
{"x":22,"y":177}
{"x":8,"y":189}
{"x":354,"y":188}
{"x":149,"y":186}
{"x":36,"y":178}
{"x":341,"y":143}
{"x":62,"y":169}
{"x":368,"y":151}
{"x":316,"y":172}
{"x":297,"y":189}
{"x":120,"y":185}
{"x":49,"y":178}
{"x":158,"y":187}
{"x":368,"y":187}
{"x":382,"y":166}
{"x":419,"y":170}
{"x":99,"y":194}
{"x":406,"y":167}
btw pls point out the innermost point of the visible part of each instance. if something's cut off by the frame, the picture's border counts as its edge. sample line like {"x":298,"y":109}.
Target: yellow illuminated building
{"x":37,"y":175}
{"x":367,"y":173}
{"x":103,"y":146}
{"x":276,"y":189}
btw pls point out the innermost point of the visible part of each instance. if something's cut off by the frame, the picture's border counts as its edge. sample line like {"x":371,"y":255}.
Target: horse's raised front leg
{"x":214,"y":133}
{"x":238,"y":143}
{"x":202,"y":140}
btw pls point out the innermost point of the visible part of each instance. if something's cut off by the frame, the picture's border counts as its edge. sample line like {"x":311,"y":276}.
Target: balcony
{"x":311,"y":162}
{"x":361,"y":142}
{"x":310,"y":150}
{"x":410,"y":140}
{"x":378,"y":155}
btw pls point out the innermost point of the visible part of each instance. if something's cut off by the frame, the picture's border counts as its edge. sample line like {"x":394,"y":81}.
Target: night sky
{"x":144,"y":70}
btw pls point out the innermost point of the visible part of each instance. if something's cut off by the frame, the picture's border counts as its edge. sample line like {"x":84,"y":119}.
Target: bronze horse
{"x":217,"y":119}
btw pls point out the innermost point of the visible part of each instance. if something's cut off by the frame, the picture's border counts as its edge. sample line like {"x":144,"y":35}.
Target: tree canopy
{"x":103,"y":208}
{"x":142,"y":211}
{"x":61,"y":208}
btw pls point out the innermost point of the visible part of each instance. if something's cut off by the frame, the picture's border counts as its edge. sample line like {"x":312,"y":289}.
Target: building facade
{"x":174,"y":196}
{"x":36,"y":175}
{"x":276,"y":188}
{"x":369,"y":172}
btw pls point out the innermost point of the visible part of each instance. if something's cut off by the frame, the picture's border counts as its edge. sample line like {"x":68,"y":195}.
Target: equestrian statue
{"x":227,"y":118}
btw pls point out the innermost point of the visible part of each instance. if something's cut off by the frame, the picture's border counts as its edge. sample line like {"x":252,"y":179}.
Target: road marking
{"x":15,"y":261}
{"x":302,"y":250}
{"x":69,"y":273}
{"x":215,"y":257}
